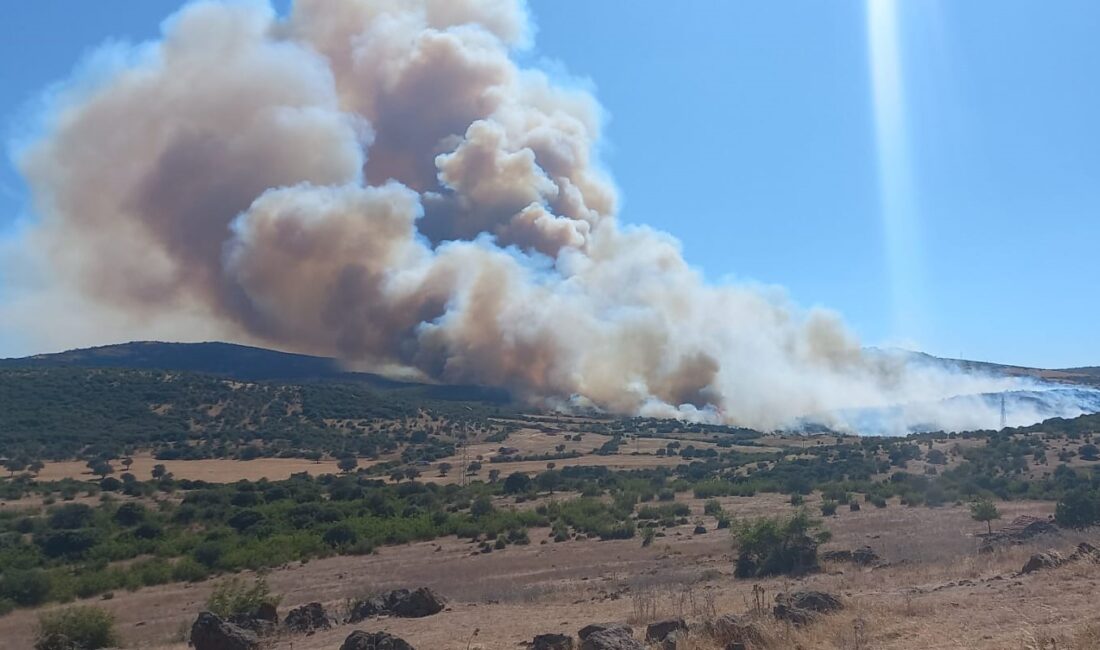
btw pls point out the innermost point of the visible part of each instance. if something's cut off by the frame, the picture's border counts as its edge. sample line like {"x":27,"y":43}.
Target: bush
{"x":776,"y":545}
{"x":712,"y":508}
{"x":1079,"y":508}
{"x":233,"y":596}
{"x":25,"y":588}
{"x":82,"y":628}
{"x":828,"y":508}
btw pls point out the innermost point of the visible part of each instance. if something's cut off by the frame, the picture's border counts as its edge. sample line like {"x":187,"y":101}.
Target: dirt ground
{"x":935,"y":591}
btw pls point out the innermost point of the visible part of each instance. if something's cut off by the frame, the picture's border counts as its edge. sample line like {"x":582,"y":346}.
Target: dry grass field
{"x":933,"y":591}
{"x":214,"y":470}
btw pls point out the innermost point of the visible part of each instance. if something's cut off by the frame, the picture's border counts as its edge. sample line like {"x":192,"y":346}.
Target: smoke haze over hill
{"x":380,"y":181}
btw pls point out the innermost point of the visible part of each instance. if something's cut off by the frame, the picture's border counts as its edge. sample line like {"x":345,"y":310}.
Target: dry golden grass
{"x":936,"y":593}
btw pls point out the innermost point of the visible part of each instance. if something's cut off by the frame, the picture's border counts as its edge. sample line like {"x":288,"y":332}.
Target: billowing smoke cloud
{"x":379,"y":180}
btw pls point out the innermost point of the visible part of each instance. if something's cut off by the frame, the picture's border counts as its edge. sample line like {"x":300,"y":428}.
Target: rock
{"x":1048,"y":560}
{"x":609,"y":636}
{"x":661,"y":629}
{"x":700,"y":530}
{"x":360,"y":640}
{"x":814,"y":601}
{"x":675,"y":639}
{"x":1022,"y":529}
{"x":307,"y":619}
{"x":802,"y":607}
{"x":400,"y":602}
{"x":793,"y":615}
{"x":865,"y":556}
{"x":264,"y":620}
{"x":732,"y":630}
{"x":853,"y":506}
{"x":209,"y":632}
{"x":588,"y":630}
{"x":1086,"y":551}
{"x":613,"y":639}
{"x":552,"y":642}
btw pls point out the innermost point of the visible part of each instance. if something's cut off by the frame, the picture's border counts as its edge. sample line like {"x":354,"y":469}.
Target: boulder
{"x":1048,"y":560}
{"x":552,"y":642}
{"x":400,"y":602}
{"x":264,"y":620}
{"x":360,"y":640}
{"x":700,"y":530}
{"x":210,"y":632}
{"x":675,"y":639}
{"x":802,"y":607}
{"x":731,"y":630}
{"x":603,"y":627}
{"x":661,"y":629}
{"x":307,"y":619}
{"x":853,"y":506}
{"x":865,"y":556}
{"x":814,"y":601}
{"x":609,"y":636}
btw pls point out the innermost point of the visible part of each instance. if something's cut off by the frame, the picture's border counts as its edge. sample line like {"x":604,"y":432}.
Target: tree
{"x":347,"y":463}
{"x":984,"y":510}
{"x":1089,"y":452}
{"x":481,"y":506}
{"x":412,"y":473}
{"x":36,"y":466}
{"x":126,"y":462}
{"x":397,"y":476}
{"x":548,"y":480}
{"x":15,"y":465}
{"x":100,"y":467}
{"x":494,"y":475}
{"x":516,"y":483}
{"x":159,"y":470}
{"x":444,"y":468}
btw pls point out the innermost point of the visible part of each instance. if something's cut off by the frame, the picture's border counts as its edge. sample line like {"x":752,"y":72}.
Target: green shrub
{"x":712,"y":508}
{"x":776,"y":545}
{"x":82,"y":628}
{"x":26,"y":588}
{"x":828,"y":508}
{"x":234,"y":596}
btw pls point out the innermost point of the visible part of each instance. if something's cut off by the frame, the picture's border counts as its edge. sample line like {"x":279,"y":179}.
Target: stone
{"x":210,"y":632}
{"x":1047,"y":560}
{"x":552,"y":642}
{"x":360,"y":640}
{"x":400,"y":602}
{"x":307,"y":619}
{"x":661,"y":629}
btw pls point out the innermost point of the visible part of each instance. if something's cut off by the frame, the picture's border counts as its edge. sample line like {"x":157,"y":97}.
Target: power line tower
{"x":1004,"y":412}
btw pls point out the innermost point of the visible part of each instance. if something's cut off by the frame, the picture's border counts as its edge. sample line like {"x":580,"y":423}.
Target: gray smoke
{"x":380,"y":181}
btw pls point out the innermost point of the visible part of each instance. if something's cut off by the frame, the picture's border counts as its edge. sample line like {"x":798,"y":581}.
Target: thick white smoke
{"x":380,"y":181}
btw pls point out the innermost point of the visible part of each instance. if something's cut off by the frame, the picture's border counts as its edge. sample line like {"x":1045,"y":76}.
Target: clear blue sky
{"x":747,"y":130}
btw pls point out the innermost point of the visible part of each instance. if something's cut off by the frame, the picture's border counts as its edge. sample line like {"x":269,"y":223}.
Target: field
{"x":933,"y":592}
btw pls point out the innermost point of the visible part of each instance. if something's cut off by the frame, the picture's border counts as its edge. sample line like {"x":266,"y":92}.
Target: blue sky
{"x":747,"y":129}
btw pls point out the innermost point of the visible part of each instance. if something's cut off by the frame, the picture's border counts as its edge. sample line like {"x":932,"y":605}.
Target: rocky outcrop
{"x":1047,"y":560}
{"x":360,"y":640}
{"x":308,"y":619}
{"x":400,"y":602}
{"x":552,"y":642}
{"x":1022,"y":529}
{"x":210,"y":632}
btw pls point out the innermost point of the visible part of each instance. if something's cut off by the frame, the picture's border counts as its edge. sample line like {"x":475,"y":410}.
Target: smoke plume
{"x":379,"y":180}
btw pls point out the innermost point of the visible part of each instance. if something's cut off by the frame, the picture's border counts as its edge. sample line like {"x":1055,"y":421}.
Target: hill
{"x":202,"y":400}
